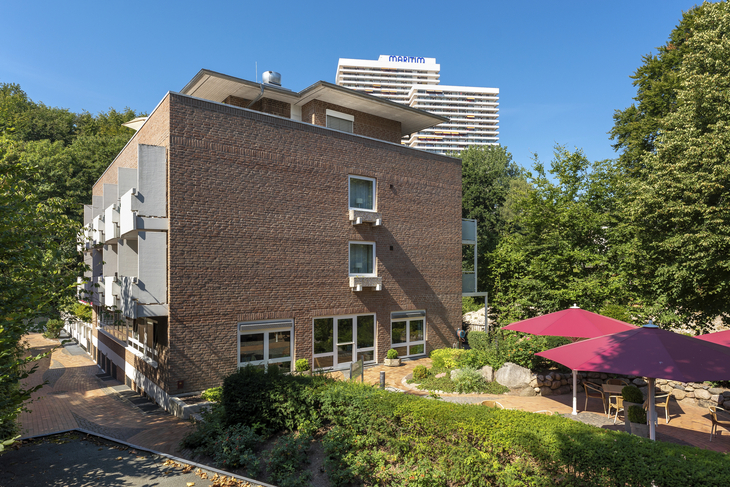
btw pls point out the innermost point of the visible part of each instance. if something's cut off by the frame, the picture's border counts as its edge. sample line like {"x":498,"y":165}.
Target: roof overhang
{"x":216,"y":87}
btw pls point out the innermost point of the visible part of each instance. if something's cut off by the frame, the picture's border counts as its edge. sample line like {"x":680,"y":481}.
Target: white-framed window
{"x":340,"y":340}
{"x":408,"y":333}
{"x":361,"y":193}
{"x":362,"y":259}
{"x":340,"y":121}
{"x":264,"y":343}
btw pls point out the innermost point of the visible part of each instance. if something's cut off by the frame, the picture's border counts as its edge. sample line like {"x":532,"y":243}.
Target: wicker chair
{"x":719,"y":417}
{"x":661,"y":401}
{"x":617,"y":403}
{"x":594,"y":391}
{"x":617,"y":382}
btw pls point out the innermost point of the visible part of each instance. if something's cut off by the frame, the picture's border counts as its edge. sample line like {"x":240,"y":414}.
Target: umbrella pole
{"x":575,"y":391}
{"x":652,"y":413}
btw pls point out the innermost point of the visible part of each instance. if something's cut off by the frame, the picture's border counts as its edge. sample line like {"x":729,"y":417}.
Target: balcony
{"x":357,"y":283}
{"x":111,"y":224}
{"x":97,"y":230}
{"x":111,"y":292}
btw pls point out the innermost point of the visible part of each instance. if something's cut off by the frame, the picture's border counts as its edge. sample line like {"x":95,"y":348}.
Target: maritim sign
{"x":406,"y":59}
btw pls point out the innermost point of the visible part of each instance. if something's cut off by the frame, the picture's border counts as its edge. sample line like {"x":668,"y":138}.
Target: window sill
{"x":357,"y":283}
{"x":358,"y":217}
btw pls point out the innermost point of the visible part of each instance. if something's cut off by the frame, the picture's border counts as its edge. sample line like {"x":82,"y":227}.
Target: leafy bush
{"x":617,"y":312}
{"x":53,"y":328}
{"x":469,"y":304}
{"x":392,"y":354}
{"x":637,"y":414}
{"x":479,"y":340}
{"x":82,"y":312}
{"x":270,"y":400}
{"x":420,"y":372}
{"x":213,"y":394}
{"x":301,"y":365}
{"x":468,"y":379}
{"x":201,"y":439}
{"x":446,"y":358}
{"x":234,"y":448}
{"x":632,"y":394}
{"x":287,"y":459}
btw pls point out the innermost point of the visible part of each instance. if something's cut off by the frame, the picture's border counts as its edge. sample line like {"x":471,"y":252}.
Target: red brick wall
{"x":259,"y":230}
{"x":266,"y":105}
{"x":315,"y":112}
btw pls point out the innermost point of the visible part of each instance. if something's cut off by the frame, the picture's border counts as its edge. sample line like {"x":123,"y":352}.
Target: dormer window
{"x":362,"y":193}
{"x":340,"y":121}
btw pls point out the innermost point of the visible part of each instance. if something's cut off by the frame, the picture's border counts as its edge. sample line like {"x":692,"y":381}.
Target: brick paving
{"x":75,"y":397}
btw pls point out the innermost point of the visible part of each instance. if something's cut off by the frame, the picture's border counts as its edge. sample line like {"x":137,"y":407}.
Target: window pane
{"x":339,"y":124}
{"x":361,"y":259}
{"x":416,"y":349}
{"x":279,"y":344}
{"x":361,"y":193}
{"x":365,"y":331}
{"x":252,"y":347}
{"x":284,"y":366}
{"x":344,"y":330}
{"x":366,"y":356}
{"x":416,"y":330}
{"x":323,"y":362}
{"x":323,"y":341}
{"x":344,"y":354}
{"x":399,"y":332}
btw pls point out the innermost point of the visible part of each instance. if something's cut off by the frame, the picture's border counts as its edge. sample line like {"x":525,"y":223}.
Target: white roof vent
{"x":272,"y":78}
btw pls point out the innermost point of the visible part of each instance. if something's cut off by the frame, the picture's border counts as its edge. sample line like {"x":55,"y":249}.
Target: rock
{"x":564,"y":390}
{"x":547,"y":383}
{"x":527,"y":392}
{"x":666,"y":388}
{"x":563,"y":382}
{"x":639,"y":381}
{"x":488,"y":373}
{"x":537,"y":390}
{"x":702,"y":394}
{"x":546,"y":391}
{"x":513,"y":376}
{"x":454,"y":372}
{"x":661,"y":381}
{"x":682,"y":388}
{"x":716,"y":390}
{"x":541,"y":377}
{"x":691,"y":394}
{"x":441,"y":375}
{"x":726,"y":393}
{"x":555,"y":386}
{"x":715,"y":398}
{"x":533,"y":383}
{"x":594,"y":375}
{"x":679,"y":394}
{"x":604,"y":376}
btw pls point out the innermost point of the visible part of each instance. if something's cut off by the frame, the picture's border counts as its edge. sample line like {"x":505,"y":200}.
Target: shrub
{"x":632,"y":394}
{"x":420,"y":372}
{"x":446,"y":358}
{"x":480,"y":340}
{"x":637,"y":414}
{"x":469,"y":304}
{"x":234,"y":448}
{"x":392,"y":354}
{"x":53,"y":328}
{"x":82,"y":312}
{"x":301,"y":365}
{"x":201,"y":439}
{"x":467,"y":379}
{"x":287,"y":459}
{"x":213,"y":394}
{"x":617,"y":312}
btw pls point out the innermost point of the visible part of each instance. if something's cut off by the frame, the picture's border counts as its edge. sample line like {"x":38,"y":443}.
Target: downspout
{"x":258,"y":97}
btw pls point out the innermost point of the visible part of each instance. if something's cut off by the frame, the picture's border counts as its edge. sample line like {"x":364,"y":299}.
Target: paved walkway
{"x":77,"y":397}
{"x":688,"y":425}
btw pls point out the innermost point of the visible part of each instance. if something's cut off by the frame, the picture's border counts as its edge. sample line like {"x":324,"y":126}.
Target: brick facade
{"x":315,"y":112}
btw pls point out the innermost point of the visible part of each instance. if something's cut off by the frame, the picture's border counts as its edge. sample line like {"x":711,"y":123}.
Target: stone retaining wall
{"x":696,"y":394}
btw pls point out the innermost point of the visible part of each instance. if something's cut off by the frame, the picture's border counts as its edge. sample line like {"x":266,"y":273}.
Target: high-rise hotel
{"x":473,"y":112}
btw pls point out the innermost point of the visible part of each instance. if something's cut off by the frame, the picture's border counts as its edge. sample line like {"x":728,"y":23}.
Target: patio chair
{"x":492,"y":404}
{"x":660,"y":401}
{"x":719,"y":417}
{"x":617,"y":382}
{"x":592,"y":390}
{"x":617,"y":403}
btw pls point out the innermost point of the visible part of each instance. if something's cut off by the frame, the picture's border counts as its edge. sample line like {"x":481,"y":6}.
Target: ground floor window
{"x":341,"y":340}
{"x":265,"y":343}
{"x":408,"y":333}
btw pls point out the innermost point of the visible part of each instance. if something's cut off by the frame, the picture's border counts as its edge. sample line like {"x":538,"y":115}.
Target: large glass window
{"x":340,"y":124}
{"x":362,"y":259}
{"x":362,"y":193}
{"x":408,"y":334}
{"x":341,"y":340}
{"x":264,"y":344}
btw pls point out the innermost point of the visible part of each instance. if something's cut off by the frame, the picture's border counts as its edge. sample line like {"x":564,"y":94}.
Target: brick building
{"x":245,"y":223}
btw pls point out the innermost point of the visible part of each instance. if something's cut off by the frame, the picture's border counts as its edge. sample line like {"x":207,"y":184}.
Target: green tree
{"x":38,"y":266}
{"x":677,"y":206}
{"x":486,"y":174}
{"x":561,"y":249}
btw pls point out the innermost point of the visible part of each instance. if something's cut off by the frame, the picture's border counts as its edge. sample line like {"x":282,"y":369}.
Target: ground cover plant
{"x":374,"y":437}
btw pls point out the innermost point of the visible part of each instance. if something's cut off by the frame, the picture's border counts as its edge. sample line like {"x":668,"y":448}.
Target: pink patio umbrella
{"x":572,"y":323}
{"x":648,"y":352}
{"x":719,"y":337}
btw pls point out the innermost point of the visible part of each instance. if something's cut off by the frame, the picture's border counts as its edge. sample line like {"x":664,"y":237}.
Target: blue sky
{"x":562,"y":67}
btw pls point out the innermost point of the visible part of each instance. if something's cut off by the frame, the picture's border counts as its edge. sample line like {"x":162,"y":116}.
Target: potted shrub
{"x":302,"y":366}
{"x":391,"y":358}
{"x":632,"y":396}
{"x":637,"y":420}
